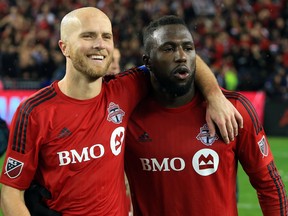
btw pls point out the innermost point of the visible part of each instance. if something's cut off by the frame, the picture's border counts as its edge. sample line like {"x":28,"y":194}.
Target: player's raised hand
{"x":225,"y":116}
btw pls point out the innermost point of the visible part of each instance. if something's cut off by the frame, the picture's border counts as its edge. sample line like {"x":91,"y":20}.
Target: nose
{"x":98,"y":43}
{"x":180,"y":55}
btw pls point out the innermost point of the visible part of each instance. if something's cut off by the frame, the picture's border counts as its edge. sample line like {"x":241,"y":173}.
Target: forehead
{"x":81,"y":21}
{"x":84,"y":20}
{"x":172,"y":33}
{"x":92,"y":22}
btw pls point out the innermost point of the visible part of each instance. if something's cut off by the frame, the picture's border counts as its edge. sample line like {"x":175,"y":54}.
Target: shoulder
{"x":133,"y":82}
{"x":131,"y":73}
{"x":237,"y":98}
{"x":245,"y":108}
{"x":38,"y":99}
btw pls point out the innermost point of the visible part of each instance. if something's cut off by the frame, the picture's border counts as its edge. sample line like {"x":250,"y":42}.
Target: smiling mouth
{"x":97,"y":57}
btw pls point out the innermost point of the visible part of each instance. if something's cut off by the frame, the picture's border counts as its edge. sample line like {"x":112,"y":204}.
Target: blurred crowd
{"x":245,"y":42}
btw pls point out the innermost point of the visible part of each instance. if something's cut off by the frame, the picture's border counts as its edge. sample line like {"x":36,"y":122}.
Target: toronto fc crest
{"x":205,"y":137}
{"x":115,"y":114}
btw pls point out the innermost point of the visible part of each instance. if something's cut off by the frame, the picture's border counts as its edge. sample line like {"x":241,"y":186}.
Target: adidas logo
{"x":144,"y":138}
{"x":65,"y":132}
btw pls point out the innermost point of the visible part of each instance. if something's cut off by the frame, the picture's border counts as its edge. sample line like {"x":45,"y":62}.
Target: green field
{"x":248,"y":203}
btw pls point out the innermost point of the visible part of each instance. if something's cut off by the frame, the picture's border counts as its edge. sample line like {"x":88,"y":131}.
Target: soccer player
{"x":69,"y":137}
{"x":175,"y":167}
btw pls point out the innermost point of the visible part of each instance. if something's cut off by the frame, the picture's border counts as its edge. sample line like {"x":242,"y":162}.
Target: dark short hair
{"x":154,"y":25}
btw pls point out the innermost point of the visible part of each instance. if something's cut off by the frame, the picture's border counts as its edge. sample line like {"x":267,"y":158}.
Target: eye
{"x":168,"y":49}
{"x":87,"y":36}
{"x":189,"y":48}
{"x":107,"y":36}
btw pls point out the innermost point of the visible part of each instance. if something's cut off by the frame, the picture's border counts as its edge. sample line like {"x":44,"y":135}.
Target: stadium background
{"x":245,"y":42}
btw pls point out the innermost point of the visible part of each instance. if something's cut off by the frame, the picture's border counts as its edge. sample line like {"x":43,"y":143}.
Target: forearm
{"x":206,"y":80}
{"x":12,"y":202}
{"x":270,"y":190}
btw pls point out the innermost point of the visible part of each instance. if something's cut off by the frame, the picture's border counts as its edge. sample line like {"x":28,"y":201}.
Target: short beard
{"x":90,"y":72}
{"x":173,"y":89}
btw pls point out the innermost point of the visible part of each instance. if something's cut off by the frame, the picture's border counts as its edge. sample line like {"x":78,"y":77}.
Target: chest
{"x":82,"y":132}
{"x":175,"y":141}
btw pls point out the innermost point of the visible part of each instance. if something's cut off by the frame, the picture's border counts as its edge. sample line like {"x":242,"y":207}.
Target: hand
{"x":222,"y":112}
{"x":33,"y":200}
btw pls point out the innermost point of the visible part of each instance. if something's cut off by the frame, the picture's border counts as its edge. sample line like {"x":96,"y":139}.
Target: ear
{"x":63,"y":48}
{"x":146,"y":60}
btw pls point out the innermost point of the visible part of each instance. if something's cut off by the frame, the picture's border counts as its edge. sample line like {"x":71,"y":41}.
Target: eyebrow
{"x":173,"y":43}
{"x":95,"y":33}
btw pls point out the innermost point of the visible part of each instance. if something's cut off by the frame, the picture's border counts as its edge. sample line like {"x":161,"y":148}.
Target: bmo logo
{"x":87,"y":153}
{"x":93,"y":152}
{"x":167,"y":164}
{"x":205,"y":162}
{"x":116,"y":140}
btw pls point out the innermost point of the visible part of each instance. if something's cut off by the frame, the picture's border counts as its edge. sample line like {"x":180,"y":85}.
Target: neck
{"x":79,"y":87}
{"x":173,"y":101}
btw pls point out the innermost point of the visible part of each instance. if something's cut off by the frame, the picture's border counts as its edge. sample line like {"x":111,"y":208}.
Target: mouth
{"x":97,"y":57}
{"x":181,"y":73}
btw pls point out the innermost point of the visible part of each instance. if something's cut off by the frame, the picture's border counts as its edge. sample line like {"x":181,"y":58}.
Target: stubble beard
{"x":173,"y":88}
{"x":93,"y":73}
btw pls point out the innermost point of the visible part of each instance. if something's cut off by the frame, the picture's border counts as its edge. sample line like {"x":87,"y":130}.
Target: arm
{"x":270,"y":190}
{"x":12,"y":202}
{"x":220,"y":111}
{"x":255,"y":155}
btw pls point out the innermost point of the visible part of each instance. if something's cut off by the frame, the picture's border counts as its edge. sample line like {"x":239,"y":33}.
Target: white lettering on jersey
{"x":116,"y":140}
{"x":152,"y":164}
{"x":96,"y":151}
{"x":72,"y":156}
{"x":205,"y":162}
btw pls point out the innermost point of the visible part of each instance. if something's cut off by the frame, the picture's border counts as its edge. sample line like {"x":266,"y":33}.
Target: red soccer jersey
{"x":75,"y":148}
{"x":175,"y":168}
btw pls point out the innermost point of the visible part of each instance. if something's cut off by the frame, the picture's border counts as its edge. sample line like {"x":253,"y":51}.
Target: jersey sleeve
{"x":270,"y":190}
{"x":256,"y":158}
{"x":22,"y":155}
